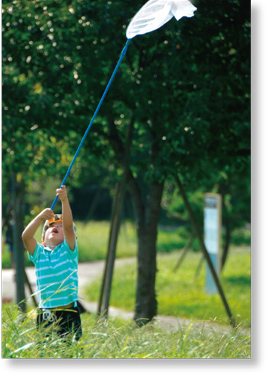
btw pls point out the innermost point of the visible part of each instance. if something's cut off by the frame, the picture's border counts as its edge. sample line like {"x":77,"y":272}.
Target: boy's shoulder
{"x":72,"y":252}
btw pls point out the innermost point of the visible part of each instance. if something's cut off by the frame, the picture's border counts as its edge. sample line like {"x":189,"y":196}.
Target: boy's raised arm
{"x":67,"y":218}
{"x":29,"y":232}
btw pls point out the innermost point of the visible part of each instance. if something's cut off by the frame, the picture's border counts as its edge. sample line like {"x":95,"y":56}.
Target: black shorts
{"x":67,"y":323}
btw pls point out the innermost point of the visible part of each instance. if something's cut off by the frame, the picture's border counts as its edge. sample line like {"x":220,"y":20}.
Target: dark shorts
{"x":66,"y":323}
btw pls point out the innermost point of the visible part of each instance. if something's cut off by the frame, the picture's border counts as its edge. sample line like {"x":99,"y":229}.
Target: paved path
{"x":88,"y":272}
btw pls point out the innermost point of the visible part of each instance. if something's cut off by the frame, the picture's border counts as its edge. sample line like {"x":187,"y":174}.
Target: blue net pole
{"x":93,"y":118}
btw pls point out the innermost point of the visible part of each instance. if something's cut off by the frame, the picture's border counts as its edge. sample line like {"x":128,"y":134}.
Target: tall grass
{"x":118,"y":339}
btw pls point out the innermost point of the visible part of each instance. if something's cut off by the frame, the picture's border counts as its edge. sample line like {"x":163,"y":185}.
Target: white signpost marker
{"x":212,"y":236}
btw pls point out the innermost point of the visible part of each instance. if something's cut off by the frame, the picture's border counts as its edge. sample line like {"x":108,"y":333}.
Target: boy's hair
{"x":56,"y":218}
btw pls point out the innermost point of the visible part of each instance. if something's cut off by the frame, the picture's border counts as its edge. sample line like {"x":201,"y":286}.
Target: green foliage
{"x":187,"y":87}
{"x":119,"y":339}
{"x":241,"y":236}
{"x":174,"y":205}
{"x":180,"y":294}
{"x":42,"y":91}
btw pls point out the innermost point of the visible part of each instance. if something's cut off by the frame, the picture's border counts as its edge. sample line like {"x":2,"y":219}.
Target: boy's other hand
{"x":62,"y":193}
{"x":47,"y":214}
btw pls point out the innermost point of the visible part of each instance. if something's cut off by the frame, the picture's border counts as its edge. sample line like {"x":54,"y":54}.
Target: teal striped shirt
{"x":56,"y":274}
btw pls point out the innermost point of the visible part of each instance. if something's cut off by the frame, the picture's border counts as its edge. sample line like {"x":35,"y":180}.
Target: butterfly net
{"x":155,"y":13}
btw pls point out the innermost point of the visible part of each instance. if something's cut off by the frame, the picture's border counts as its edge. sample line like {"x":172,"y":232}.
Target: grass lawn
{"x":180,"y":294}
{"x":93,"y":239}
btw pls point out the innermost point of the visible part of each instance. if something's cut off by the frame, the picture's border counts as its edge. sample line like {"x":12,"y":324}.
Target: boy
{"x":56,"y":268}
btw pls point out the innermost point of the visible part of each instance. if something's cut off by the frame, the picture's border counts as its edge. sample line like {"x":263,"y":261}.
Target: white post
{"x":212,"y":236}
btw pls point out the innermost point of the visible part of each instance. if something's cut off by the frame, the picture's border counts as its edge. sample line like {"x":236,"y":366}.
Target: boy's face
{"x":54,"y":235}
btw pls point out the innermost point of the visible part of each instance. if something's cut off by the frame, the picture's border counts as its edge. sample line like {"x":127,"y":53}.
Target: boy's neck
{"x":50,"y":246}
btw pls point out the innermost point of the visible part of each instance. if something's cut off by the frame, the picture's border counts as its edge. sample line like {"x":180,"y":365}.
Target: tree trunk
{"x":118,"y":201}
{"x":223,"y":190}
{"x":147,"y":223}
{"x":18,"y":192}
{"x":147,"y":215}
{"x":105,"y":292}
{"x":226,"y":243}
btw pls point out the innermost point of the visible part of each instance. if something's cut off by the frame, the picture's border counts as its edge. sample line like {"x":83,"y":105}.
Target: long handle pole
{"x":93,"y":118}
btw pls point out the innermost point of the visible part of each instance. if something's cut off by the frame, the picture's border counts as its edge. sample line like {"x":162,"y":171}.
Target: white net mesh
{"x":156,"y":13}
